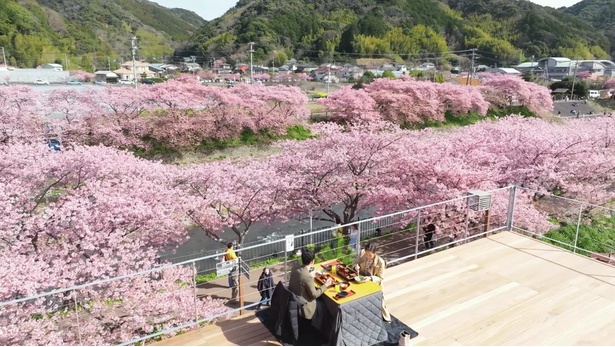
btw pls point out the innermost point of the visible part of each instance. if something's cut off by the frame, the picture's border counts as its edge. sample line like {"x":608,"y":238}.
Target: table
{"x":354,"y":320}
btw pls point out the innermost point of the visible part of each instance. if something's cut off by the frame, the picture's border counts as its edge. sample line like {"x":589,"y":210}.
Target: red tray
{"x":350,"y":293}
{"x":321,"y":279}
{"x":347,"y":275}
{"x":332,"y":262}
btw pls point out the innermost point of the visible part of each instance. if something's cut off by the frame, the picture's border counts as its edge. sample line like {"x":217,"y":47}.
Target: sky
{"x":211,"y":9}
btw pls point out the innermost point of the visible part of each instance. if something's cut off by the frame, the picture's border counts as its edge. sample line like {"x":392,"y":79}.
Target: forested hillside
{"x":600,"y":14}
{"x":89,"y":33}
{"x":506,"y":30}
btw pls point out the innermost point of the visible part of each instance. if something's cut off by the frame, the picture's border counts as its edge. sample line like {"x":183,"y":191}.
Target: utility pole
{"x":574,"y":77}
{"x":471,"y":72}
{"x":66,"y":62}
{"x":328,"y":78}
{"x":4,"y":58}
{"x":134,"y":52}
{"x":251,"y":65}
{"x":109,"y":62}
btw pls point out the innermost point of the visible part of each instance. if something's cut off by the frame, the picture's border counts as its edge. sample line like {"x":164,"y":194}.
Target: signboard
{"x":224,"y":267}
{"x":245,"y":268}
{"x":290,"y":243}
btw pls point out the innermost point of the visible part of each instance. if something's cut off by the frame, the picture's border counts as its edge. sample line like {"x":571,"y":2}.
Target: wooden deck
{"x":503,"y":290}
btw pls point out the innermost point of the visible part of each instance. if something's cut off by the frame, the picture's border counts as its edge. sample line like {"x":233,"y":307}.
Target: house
{"x":556,"y":67}
{"x":54,"y":67}
{"x":191,"y":67}
{"x":561,"y":94}
{"x":125,"y":74}
{"x":158,"y":70}
{"x":324,"y":73}
{"x":142,"y":69}
{"x":505,"y":71}
{"x":260,"y":69}
{"x":105,"y":76}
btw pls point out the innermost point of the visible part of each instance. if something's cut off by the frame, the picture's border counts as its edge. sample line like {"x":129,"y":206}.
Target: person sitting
{"x":371,"y":265}
{"x":301,"y":283}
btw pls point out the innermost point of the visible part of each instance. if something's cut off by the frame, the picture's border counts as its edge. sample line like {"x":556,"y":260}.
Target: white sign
{"x":290,"y":243}
{"x":224,"y":267}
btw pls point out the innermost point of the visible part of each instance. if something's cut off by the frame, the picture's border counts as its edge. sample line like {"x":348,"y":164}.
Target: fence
{"x":578,"y":226}
{"x":113,"y":310}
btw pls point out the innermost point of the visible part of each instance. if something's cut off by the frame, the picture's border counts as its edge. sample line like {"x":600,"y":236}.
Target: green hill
{"x":600,"y":14}
{"x":504,"y":31}
{"x":90,"y":33}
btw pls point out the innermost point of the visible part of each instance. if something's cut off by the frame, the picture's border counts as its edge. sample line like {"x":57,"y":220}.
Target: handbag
{"x":404,"y":339}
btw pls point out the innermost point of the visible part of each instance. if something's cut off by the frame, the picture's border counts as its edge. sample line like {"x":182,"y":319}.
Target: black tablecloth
{"x":355,"y":323}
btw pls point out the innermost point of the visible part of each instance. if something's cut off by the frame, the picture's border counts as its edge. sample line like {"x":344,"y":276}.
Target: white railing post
{"x":357,"y":246}
{"x":78,"y":323}
{"x":418,"y":229}
{"x":512,"y":199}
{"x":196,"y":307}
{"x":576,"y":236}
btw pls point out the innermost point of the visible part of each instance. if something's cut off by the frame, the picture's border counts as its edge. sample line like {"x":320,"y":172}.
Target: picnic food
{"x":322,"y":278}
{"x":346,"y":272}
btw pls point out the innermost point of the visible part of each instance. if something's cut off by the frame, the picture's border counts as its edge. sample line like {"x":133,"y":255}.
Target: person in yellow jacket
{"x":369,"y":264}
{"x":233,"y":278}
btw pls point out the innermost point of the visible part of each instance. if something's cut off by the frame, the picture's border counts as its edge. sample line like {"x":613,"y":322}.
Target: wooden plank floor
{"x":246,"y":330}
{"x":503,"y":290}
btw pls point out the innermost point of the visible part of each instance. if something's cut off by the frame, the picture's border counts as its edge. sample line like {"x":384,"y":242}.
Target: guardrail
{"x":76,"y":318}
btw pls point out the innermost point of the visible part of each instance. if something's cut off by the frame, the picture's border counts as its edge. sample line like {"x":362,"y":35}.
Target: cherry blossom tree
{"x":350,"y":168}
{"x":229,"y":195}
{"x":262,"y":77}
{"x":207,"y":75}
{"x":82,"y":75}
{"x":76,"y":216}
{"x":20,"y":118}
{"x":404,"y":102}
{"x":506,"y":90}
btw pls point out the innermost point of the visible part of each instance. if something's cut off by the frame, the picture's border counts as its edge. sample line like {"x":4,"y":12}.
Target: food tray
{"x":321,"y":279}
{"x":346,"y":272}
{"x":350,"y":293}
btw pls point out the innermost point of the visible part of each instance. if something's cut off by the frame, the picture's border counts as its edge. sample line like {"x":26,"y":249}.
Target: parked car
{"x":40,"y":82}
{"x":147,"y":81}
{"x":100,"y":82}
{"x":74,"y":83}
{"x":126,"y":82}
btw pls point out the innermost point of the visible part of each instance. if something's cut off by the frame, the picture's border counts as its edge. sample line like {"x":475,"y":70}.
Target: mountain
{"x":90,"y":33}
{"x":504,"y":31}
{"x":600,"y":14}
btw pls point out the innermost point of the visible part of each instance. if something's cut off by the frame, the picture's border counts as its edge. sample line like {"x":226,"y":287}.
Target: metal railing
{"x":84,"y":314}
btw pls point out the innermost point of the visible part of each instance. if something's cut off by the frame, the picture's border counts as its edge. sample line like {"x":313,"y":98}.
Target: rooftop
{"x":506,"y":289}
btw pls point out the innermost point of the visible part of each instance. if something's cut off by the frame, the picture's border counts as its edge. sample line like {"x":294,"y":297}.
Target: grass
{"x":254,"y":265}
{"x":246,"y":138}
{"x":598,"y":236}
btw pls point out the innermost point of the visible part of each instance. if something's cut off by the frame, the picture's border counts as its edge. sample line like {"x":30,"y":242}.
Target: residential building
{"x":505,"y":71}
{"x":142,"y":69}
{"x":54,"y":67}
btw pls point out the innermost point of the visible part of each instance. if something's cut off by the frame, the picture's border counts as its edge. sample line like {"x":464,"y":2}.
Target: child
{"x":265,"y":286}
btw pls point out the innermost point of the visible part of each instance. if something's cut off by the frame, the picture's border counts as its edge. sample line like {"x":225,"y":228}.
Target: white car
{"x":126,"y":82}
{"x":40,"y":82}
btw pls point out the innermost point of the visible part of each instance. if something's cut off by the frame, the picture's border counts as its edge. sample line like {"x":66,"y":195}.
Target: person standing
{"x":233,"y":275}
{"x":265,"y":287}
{"x":301,"y":283}
{"x":354,"y":238}
{"x":429,"y":230}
